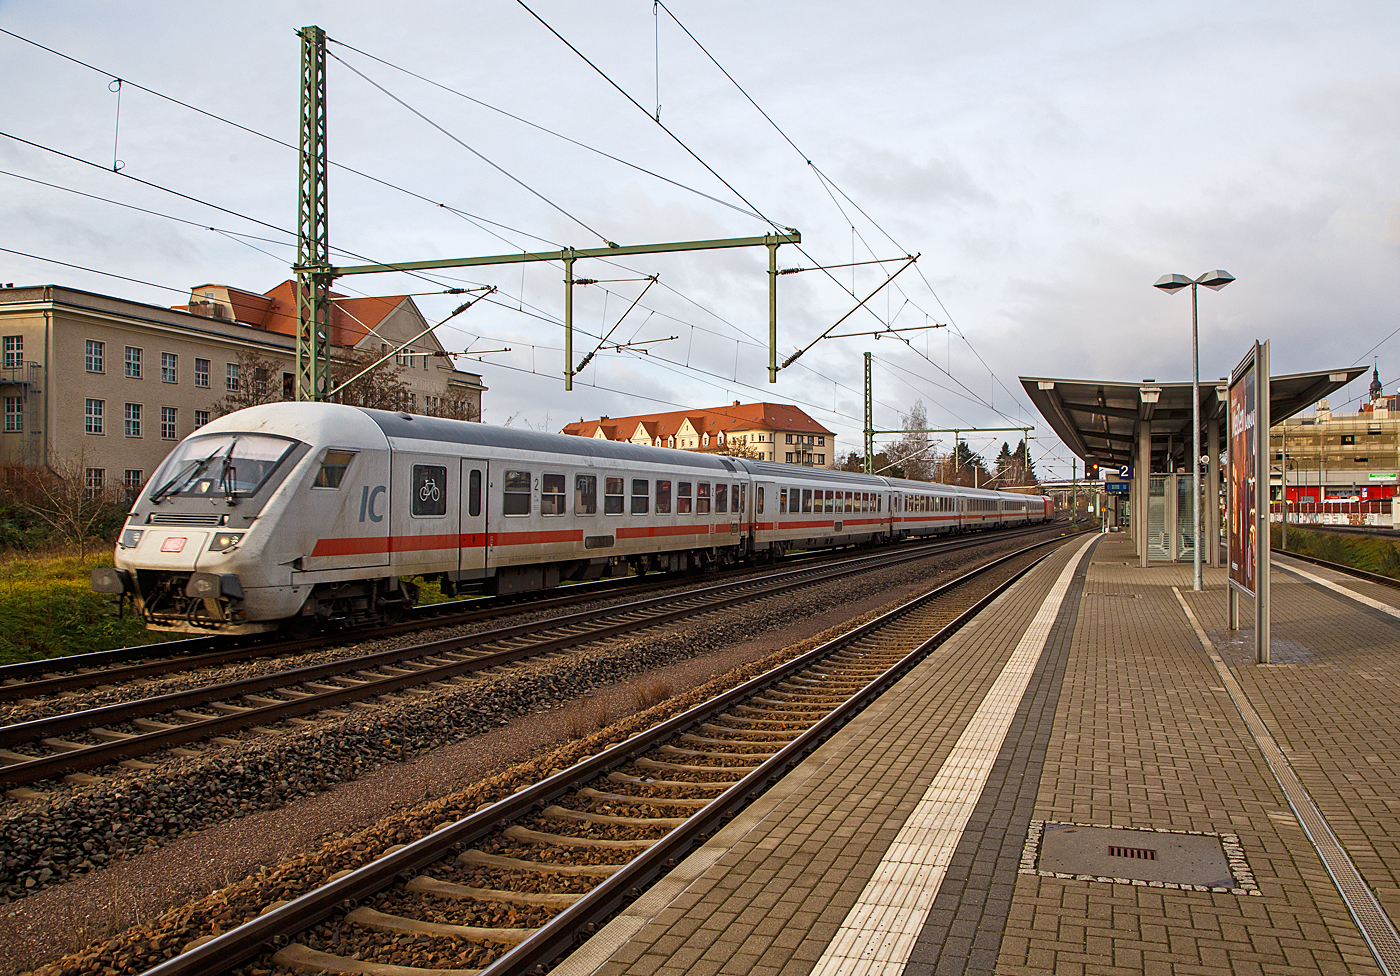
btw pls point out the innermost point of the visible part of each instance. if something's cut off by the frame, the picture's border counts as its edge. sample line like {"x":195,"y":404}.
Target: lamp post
{"x":1214,"y":280}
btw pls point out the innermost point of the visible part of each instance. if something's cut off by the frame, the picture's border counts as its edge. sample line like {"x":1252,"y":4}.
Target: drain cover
{"x":1140,"y":855}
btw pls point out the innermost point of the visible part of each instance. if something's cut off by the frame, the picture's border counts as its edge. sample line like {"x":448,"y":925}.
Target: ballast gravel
{"x":84,"y":829}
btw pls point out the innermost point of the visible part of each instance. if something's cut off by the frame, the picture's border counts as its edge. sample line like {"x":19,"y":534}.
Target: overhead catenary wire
{"x":825,"y":180}
{"x":471,"y":149}
{"x":545,"y":129}
{"x":476,"y":220}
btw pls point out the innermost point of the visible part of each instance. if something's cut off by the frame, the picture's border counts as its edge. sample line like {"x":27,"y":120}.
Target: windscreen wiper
{"x":227,"y":472}
{"x":161,"y":492}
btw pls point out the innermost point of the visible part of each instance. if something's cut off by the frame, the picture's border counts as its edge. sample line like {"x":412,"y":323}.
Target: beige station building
{"x":764,"y":431}
{"x":113,"y":385}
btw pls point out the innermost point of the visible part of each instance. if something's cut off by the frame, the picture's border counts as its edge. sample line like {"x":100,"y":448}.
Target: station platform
{"x":1092,"y":777}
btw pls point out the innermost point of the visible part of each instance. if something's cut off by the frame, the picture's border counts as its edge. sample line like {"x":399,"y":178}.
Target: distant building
{"x":118,"y":383}
{"x":1338,"y":456}
{"x":764,"y":431}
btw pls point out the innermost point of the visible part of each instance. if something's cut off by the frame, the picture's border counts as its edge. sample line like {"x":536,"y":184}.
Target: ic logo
{"x":369,"y":501}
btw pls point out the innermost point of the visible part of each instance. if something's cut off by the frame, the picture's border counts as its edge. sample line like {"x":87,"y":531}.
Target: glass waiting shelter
{"x":1142,"y":431}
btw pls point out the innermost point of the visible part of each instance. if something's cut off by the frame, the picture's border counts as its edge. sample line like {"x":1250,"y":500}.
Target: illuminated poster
{"x":1243,"y":466}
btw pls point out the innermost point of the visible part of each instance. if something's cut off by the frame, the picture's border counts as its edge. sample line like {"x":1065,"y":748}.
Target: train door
{"x":426,"y":513}
{"x":474,"y":482}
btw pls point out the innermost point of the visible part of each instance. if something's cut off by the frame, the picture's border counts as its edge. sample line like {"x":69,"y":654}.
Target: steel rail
{"x":207,"y":650}
{"x":1367,"y":575}
{"x":199,"y":652}
{"x":705,"y":600}
{"x":239,"y":944}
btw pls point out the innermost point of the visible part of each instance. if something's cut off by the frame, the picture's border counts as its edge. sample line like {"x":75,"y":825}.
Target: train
{"x":305,"y":515}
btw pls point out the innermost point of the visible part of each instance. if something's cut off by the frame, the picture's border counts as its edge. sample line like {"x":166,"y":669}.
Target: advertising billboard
{"x":1248,"y":491}
{"x":1244,"y":416}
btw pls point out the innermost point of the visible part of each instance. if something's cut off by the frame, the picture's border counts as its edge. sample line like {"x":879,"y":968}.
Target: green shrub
{"x":1370,"y":553}
{"x":47,"y":609}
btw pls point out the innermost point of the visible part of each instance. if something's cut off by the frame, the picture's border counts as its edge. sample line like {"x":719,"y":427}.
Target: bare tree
{"x":258,"y":381}
{"x":914,"y":451}
{"x":733,"y":447}
{"x":456,"y":405}
{"x":71,"y":497}
{"x":382,"y":388}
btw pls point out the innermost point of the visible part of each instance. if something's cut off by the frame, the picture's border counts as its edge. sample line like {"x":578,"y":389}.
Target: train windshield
{"x":227,"y":465}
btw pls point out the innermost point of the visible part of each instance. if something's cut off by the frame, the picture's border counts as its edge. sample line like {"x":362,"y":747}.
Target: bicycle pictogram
{"x":429,"y":490}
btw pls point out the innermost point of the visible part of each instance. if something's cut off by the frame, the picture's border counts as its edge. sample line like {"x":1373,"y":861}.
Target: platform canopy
{"x":1099,"y":420}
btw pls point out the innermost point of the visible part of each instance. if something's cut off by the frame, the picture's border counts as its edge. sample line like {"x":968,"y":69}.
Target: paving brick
{"x":1125,"y":723}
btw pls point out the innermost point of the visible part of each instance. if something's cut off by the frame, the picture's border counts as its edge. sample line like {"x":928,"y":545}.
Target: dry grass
{"x":649,"y":692}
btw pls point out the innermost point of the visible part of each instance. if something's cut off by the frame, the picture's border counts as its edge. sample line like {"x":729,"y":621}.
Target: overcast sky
{"x":1047,"y":161}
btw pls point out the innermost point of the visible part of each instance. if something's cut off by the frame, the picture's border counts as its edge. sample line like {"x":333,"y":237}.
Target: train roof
{"x":414,"y":427}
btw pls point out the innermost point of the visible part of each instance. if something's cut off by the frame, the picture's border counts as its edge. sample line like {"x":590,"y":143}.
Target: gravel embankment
{"x":85,"y":829}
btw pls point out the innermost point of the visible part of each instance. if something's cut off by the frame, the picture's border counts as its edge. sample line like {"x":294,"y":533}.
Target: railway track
{"x":1342,"y":568}
{"x":67,"y":745}
{"x":514,"y":886}
{"x":56,"y":676}
{"x":52,"y":676}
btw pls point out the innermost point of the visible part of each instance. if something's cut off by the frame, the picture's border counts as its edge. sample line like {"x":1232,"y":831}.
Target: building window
{"x":168,"y":361}
{"x":94,"y":480}
{"x":201,"y":417}
{"x":821,"y":440}
{"x":789,"y":438}
{"x":201,"y":373}
{"x":789,"y":457}
{"x":133,"y":420}
{"x":289,"y":386}
{"x":131,"y":481}
{"x":821,"y":458}
{"x":92,"y":416}
{"x":14,"y":413}
{"x":133,"y":362}
{"x":95,"y":359}
{"x":231,"y":377}
{"x":14,"y":352}
{"x":167,"y":424}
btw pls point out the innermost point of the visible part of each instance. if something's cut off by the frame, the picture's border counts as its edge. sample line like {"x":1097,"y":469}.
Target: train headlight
{"x":130,"y":537}
{"x":224,"y":541}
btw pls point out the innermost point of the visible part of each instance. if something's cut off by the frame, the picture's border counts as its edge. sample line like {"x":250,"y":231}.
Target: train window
{"x":639,"y":496}
{"x":702,"y":498}
{"x":850,"y":499}
{"x":682,"y":497}
{"x":828,"y":504}
{"x":474,"y":494}
{"x":663,"y":498}
{"x":722,"y":499}
{"x":782,"y":501}
{"x":737,"y":496}
{"x":613,"y":501}
{"x":585,"y":494}
{"x":552,"y":494}
{"x":758,"y":500}
{"x":806,"y":499}
{"x":333,"y":469}
{"x":429,"y":489}
{"x":515,"y":493}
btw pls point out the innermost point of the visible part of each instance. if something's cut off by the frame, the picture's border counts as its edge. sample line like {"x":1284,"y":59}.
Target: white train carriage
{"x":315,"y":513}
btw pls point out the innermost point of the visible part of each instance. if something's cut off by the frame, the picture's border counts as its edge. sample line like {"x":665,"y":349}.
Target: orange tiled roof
{"x":709,"y":420}
{"x":276,"y":311}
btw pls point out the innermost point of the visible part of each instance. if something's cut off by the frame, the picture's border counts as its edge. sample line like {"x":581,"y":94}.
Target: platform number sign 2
{"x":429,"y":490}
